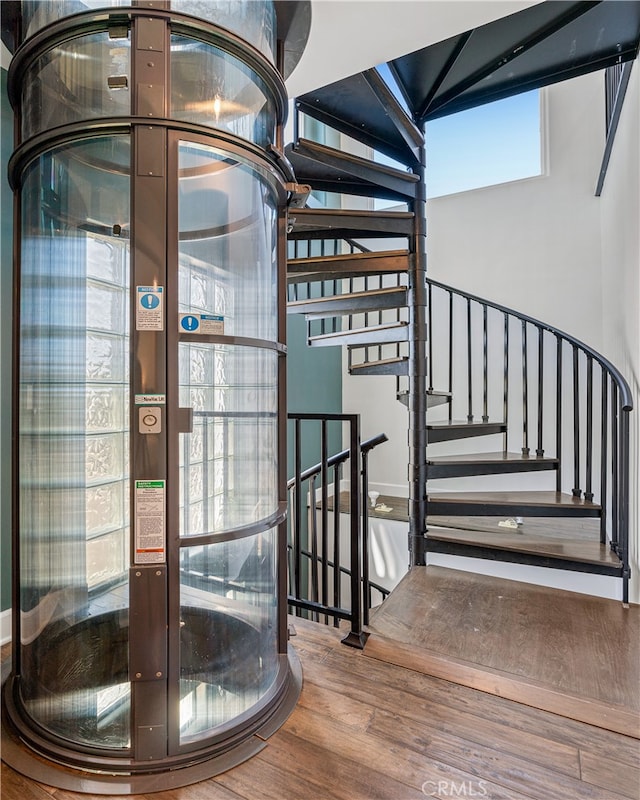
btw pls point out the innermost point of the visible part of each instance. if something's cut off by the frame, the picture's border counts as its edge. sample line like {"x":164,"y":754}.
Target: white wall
{"x":545,"y":246}
{"x":620,"y":282}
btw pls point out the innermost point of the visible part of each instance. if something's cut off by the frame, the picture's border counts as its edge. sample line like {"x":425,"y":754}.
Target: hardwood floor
{"x":369,"y":730}
{"x":572,"y":653}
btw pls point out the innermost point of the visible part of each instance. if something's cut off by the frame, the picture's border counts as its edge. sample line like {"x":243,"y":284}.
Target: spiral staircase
{"x":530,"y":398}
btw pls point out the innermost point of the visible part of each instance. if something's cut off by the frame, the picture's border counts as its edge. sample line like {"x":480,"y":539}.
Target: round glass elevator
{"x":149,"y":627}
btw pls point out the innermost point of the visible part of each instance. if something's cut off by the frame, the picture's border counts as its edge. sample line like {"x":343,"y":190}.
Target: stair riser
{"x":435,"y":471}
{"x":336,"y":306}
{"x":515,"y":557}
{"x":322,"y":224}
{"x":333,"y":170}
{"x":362,"y":338}
{"x":478,"y":509}
{"x":454,"y":434}
{"x":381,"y":369}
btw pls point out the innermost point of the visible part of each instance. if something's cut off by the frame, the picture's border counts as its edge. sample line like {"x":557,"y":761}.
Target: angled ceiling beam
{"x":442,"y":75}
{"x":516,"y":50}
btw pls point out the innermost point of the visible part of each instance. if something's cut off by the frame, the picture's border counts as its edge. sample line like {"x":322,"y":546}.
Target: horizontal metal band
{"x":84,"y":23}
{"x":226,"y":142}
{"x":240,"y":341}
{"x":238,"y":533}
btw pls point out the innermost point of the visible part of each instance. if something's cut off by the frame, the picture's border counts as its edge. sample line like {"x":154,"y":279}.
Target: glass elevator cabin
{"x":150,"y":638}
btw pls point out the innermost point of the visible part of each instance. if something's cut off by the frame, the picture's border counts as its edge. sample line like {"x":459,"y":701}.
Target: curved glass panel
{"x":37,"y":14}
{"x":227,"y":243}
{"x":81,"y":79}
{"x":74,"y":441}
{"x":228,"y":636}
{"x":211,"y":87}
{"x":253,"y":20}
{"x":228,"y":464}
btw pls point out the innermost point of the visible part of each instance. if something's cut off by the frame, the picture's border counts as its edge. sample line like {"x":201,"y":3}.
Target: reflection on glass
{"x":73,"y":470}
{"x":228,"y":643}
{"x":38,"y":13}
{"x":228,"y":243}
{"x":79,"y":79}
{"x":211,"y":87}
{"x":228,"y":464}
{"x":253,"y":20}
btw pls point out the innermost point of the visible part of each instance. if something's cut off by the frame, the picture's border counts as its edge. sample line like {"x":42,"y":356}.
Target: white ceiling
{"x":348,"y":36}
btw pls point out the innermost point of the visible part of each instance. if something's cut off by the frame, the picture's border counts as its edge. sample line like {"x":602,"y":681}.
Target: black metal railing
{"x":557,"y":396}
{"x":328,"y":565}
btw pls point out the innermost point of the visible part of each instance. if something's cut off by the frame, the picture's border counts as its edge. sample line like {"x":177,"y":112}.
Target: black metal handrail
{"x":584,"y":424}
{"x":316,"y":544}
{"x":500,"y":361}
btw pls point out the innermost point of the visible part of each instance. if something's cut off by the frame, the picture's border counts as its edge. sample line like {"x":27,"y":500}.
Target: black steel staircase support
{"x":417,"y":400}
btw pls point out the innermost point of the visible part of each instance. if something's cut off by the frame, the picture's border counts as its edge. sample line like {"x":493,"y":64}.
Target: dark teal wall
{"x":314,"y":384}
{"x":6,"y":249}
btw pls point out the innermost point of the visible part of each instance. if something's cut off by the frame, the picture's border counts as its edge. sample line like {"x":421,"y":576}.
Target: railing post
{"x":417,"y":398}
{"x":540,"y":448}
{"x":356,"y":636}
{"x":576,"y":491}
{"x":623,"y":531}
{"x":366,"y":586}
{"x":525,"y":391}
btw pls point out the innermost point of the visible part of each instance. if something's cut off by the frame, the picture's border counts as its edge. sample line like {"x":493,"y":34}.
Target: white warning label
{"x":150,"y":524}
{"x":150,"y":308}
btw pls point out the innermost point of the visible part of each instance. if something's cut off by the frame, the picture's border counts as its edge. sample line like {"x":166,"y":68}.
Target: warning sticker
{"x":204,"y":324}
{"x":149,"y":308}
{"x":150,"y":524}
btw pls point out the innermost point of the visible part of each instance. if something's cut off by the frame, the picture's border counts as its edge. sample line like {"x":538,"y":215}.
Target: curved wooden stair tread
{"x":541,"y":661}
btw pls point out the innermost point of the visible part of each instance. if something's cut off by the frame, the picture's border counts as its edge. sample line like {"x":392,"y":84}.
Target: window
{"x":494,"y":143}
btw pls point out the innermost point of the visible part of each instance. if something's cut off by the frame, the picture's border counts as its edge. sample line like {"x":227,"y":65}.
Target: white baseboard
{"x":5,"y":626}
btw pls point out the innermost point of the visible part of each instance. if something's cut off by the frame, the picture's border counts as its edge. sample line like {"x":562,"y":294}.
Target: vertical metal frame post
{"x":417,"y":399}
{"x":148,"y":583}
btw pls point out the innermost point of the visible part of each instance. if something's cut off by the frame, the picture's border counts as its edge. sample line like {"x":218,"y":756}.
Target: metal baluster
{"x":588,"y":491}
{"x":324,"y":477}
{"x":337,"y":576}
{"x":450,"y":386}
{"x":298,"y":511}
{"x":485,"y":366}
{"x":366,"y":585}
{"x":356,"y":637}
{"x":323,"y":322}
{"x":505,"y":386}
{"x":614,"y":467}
{"x":525,"y":391}
{"x":540,"y":448}
{"x":604,"y":446}
{"x":430,"y":336}
{"x":576,"y":491}
{"x":469,"y":367}
{"x":559,"y":412}
{"x":313,"y":513}
{"x":291,"y":543}
{"x":623,"y":529}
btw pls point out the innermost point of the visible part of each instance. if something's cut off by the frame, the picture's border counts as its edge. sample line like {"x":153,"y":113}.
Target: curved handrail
{"x":338,"y":458}
{"x":625,"y":389}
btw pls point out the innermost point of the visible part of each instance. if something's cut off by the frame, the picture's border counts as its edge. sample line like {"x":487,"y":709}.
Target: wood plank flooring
{"x":368,"y":730}
{"x":572,"y":653}
{"x":565,"y":539}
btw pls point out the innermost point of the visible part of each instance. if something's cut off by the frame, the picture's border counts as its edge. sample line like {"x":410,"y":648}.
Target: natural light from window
{"x":491,"y":144}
